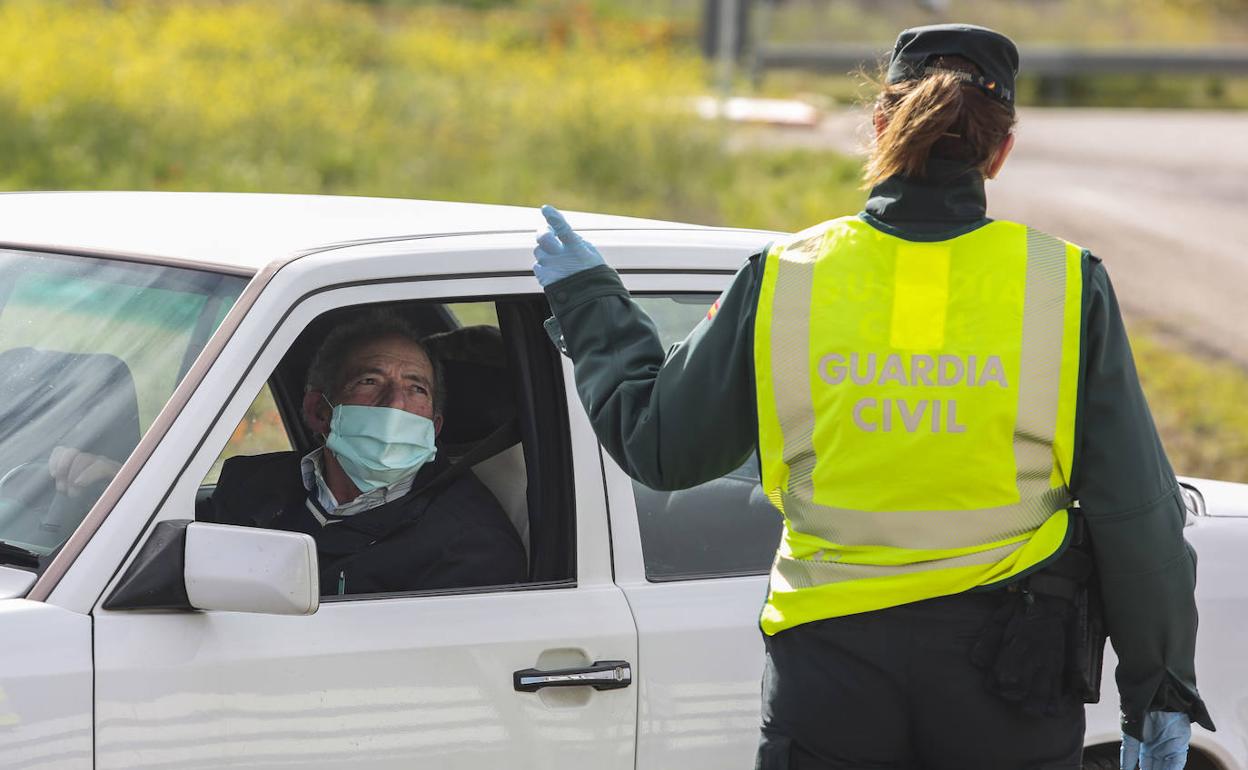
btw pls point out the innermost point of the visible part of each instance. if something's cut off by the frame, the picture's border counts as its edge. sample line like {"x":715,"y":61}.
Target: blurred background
{"x":1133,"y":134}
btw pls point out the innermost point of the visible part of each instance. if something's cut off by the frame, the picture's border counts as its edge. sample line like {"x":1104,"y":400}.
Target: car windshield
{"x":90,"y":351}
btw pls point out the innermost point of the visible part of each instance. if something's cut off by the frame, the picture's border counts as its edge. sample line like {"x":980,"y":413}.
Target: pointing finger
{"x":560,"y":225}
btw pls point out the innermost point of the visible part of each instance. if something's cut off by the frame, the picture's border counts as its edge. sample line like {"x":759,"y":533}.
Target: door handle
{"x":601,"y":675}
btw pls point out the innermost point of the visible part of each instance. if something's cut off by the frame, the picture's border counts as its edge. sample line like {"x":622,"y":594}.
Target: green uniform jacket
{"x":678,"y":418}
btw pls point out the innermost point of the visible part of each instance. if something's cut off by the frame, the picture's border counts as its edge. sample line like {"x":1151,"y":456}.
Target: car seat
{"x":479,"y":416}
{"x":48,"y":399}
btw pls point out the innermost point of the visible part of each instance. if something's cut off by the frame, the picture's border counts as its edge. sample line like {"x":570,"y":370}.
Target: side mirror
{"x":194,"y":565}
{"x":1193,"y":503}
{"x":14,"y":583}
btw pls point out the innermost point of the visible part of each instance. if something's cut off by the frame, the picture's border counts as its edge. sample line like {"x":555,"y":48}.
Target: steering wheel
{"x":33,"y":510}
{"x":26,"y":491}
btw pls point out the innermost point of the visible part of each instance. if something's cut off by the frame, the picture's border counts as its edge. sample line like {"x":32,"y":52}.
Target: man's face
{"x":392,"y":372}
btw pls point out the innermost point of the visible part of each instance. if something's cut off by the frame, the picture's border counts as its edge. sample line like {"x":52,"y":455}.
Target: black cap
{"x":994,"y":54}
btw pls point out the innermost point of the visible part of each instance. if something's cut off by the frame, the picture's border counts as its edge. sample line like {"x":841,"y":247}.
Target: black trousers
{"x":895,"y":690}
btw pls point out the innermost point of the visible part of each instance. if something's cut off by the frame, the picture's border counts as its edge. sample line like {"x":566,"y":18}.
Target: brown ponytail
{"x":941,"y":116}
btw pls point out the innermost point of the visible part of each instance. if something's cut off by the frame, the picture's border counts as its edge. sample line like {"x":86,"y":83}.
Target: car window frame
{"x":556,"y":440}
{"x":628,"y":550}
{"x":287,"y":393}
{"x":263,"y":355}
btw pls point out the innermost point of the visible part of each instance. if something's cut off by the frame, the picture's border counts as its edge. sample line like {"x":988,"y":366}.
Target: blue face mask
{"x":377,"y":445}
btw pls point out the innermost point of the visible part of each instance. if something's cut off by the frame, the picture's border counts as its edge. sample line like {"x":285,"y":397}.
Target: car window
{"x":723,"y":527}
{"x":90,"y":351}
{"x":260,"y":431}
{"x":474,"y":313}
{"x":472,"y":512}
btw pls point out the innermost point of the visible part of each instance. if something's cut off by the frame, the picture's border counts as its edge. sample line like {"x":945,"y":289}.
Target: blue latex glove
{"x":1166,"y":737}
{"x":560,"y":251}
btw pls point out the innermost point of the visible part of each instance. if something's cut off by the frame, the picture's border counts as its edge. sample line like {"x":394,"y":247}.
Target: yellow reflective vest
{"x":916,"y":405}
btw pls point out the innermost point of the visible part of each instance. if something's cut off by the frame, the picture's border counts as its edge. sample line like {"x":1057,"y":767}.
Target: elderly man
{"x":387,"y":513}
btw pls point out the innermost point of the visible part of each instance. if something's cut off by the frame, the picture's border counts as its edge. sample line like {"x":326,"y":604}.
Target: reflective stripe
{"x":920,"y":296}
{"x":924,"y":529}
{"x":808,"y":573}
{"x":790,"y":346}
{"x":1040,"y":363}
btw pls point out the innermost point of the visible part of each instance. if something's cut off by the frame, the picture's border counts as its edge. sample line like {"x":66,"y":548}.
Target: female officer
{"x":930,"y":392}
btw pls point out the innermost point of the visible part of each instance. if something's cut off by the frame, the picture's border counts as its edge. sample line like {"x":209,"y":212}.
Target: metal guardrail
{"x":1042,"y":61}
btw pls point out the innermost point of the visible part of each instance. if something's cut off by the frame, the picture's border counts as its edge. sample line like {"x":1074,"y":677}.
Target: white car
{"x":163,"y":329}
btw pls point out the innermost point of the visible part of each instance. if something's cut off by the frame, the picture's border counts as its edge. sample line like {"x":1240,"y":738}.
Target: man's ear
{"x":316,"y":412}
{"x":437,"y":425}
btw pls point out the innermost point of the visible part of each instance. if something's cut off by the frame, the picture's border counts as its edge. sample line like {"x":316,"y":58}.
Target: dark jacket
{"x":439,"y":535}
{"x":676,"y":419}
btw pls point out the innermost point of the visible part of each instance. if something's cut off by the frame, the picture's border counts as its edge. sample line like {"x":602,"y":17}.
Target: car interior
{"x":42,"y":392}
{"x":90,"y":349}
{"x":504,"y":412}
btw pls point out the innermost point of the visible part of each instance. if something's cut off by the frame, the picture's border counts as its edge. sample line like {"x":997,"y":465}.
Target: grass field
{"x":1090,"y":23}
{"x":575,"y":103}
{"x":1198,"y":404}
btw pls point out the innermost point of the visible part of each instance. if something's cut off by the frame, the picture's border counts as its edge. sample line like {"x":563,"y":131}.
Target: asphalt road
{"x":1161,"y":196}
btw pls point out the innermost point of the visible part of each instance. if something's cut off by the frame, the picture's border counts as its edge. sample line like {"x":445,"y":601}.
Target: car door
{"x":376,"y":681}
{"x":1217,"y":529}
{"x":693,"y":563}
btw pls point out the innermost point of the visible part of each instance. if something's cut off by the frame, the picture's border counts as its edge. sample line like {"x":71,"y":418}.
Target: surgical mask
{"x":376,"y":445}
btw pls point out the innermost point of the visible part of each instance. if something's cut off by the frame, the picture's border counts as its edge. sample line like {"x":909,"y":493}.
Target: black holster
{"x":1043,"y":646}
{"x":1087,"y":635}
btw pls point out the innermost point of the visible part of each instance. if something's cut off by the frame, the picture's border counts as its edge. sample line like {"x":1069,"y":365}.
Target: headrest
{"x":478,"y":398}
{"x":49,"y":398}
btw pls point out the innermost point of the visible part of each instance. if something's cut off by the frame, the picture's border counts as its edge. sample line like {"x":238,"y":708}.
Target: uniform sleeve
{"x":672,"y":420}
{"x":1135,"y":516}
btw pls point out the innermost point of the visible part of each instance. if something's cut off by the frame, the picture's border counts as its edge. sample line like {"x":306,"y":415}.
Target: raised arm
{"x":670,"y":420}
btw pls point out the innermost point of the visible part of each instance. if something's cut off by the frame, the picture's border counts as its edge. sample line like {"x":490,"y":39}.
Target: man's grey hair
{"x":326,"y":371}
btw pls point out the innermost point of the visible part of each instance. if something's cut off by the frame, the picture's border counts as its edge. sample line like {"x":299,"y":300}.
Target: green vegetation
{"x":1201,"y":92}
{"x":259,"y":431}
{"x":1094,"y":23}
{"x":498,"y":106}
{"x":584,"y":104}
{"x":1198,"y":404}
{"x":330,"y":97}
{"x":1158,"y":91}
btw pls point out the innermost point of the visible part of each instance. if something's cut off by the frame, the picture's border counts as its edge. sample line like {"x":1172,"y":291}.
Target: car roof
{"x":245,"y":231}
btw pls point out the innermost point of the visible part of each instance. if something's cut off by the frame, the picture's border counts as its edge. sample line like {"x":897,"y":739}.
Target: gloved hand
{"x":560,"y":251}
{"x":1166,"y":737}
